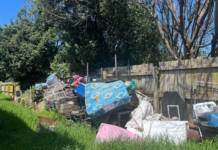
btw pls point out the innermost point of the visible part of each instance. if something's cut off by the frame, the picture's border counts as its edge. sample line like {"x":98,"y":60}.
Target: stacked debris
{"x":98,"y":101}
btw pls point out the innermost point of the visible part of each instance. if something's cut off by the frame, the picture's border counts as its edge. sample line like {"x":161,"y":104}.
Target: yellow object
{"x":10,"y":88}
{"x":97,"y":98}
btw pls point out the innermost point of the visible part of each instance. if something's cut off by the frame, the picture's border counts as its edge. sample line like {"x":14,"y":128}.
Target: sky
{"x":9,"y":10}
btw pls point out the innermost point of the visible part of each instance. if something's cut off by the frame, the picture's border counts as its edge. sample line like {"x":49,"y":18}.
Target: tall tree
{"x":93,"y":31}
{"x":26,"y":49}
{"x":214,"y":49}
{"x":182,"y":24}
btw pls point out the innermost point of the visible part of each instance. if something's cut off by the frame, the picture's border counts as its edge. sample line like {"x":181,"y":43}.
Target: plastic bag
{"x":203,"y":109}
{"x":212,"y":119}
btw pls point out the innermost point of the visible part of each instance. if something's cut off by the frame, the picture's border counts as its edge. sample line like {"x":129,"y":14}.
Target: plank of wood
{"x":194,"y":72}
{"x":177,"y":80}
{"x":162,"y":64}
{"x":156,"y":101}
{"x":143,"y":82}
{"x":171,"y":77}
{"x":201,"y":77}
{"x":164,"y":82}
{"x":205,"y":65}
{"x":150,"y":67}
{"x":146,"y":91}
{"x":139,"y":82}
{"x":189,"y":111}
{"x":208,"y":79}
{"x":112,"y":73}
{"x":147,"y":84}
{"x":152,"y":82}
{"x":104,"y":74}
{"x":167,"y":81}
{"x":187,"y":82}
{"x":161,"y":80}
{"x":144,"y":67}
{"x":215,"y":80}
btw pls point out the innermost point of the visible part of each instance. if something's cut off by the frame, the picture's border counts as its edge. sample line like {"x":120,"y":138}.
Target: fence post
{"x":116,"y":65}
{"x":156,"y":90}
{"x":129,"y":70}
{"x":104,"y":74}
{"x":87,"y":72}
{"x":101,"y":73}
{"x":15,"y":89}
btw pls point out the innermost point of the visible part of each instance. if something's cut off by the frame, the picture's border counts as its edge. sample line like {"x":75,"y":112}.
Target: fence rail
{"x":180,"y":76}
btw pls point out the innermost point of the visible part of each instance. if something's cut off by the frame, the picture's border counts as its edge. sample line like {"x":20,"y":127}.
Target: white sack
{"x":202,"y":109}
{"x":139,"y":114}
{"x":175,"y":131}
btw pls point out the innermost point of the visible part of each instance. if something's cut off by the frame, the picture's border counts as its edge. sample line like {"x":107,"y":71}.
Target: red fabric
{"x":49,"y":103}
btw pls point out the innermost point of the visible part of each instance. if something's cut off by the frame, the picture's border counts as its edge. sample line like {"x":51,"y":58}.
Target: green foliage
{"x":61,"y":69}
{"x":26,"y":50}
{"x":93,"y":31}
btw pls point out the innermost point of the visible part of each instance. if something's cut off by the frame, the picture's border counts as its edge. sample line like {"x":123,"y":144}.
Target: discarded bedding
{"x":103,"y":97}
{"x":144,"y":123}
{"x":174,"y":131}
{"x":109,"y":132}
{"x":143,"y":112}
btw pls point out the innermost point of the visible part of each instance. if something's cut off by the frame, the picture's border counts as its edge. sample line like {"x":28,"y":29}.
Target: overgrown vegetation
{"x":20,"y":132}
{"x":62,"y":36}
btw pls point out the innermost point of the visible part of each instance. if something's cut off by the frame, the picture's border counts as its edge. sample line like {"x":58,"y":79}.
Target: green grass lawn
{"x":20,"y":132}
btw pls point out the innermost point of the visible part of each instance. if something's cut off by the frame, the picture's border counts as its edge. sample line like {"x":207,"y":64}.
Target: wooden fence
{"x":180,"y":76}
{"x":142,"y":74}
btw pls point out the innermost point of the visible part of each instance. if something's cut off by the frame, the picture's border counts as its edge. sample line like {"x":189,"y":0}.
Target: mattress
{"x":101,"y":98}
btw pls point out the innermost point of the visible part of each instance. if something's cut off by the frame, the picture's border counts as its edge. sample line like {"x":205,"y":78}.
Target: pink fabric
{"x":109,"y":132}
{"x":76,"y":83}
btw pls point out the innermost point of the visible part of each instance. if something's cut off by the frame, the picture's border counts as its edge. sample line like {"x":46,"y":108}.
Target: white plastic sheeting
{"x":203,"y":109}
{"x":143,"y":112}
{"x":175,"y":131}
{"x":146,"y":124}
{"x":139,"y":114}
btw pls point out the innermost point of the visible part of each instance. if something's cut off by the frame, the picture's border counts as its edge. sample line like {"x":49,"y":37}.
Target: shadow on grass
{"x":17,"y":135}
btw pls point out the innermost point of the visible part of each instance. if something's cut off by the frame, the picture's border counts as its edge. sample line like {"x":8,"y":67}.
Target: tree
{"x":182,"y":24}
{"x":2,"y":72}
{"x":93,"y":31}
{"x":214,"y":50}
{"x":26,"y":49}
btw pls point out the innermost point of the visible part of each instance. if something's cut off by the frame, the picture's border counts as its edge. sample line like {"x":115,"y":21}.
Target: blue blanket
{"x":103,"y":97}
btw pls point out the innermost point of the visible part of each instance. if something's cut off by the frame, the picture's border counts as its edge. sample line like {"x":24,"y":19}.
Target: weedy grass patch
{"x":20,"y":132}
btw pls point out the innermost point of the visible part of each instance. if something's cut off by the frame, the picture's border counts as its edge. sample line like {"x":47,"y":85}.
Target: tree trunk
{"x":215,"y":36}
{"x":186,"y":52}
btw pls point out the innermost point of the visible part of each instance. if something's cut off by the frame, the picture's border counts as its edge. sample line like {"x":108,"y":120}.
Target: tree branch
{"x":202,"y":46}
{"x":172,"y":11}
{"x":202,"y":16}
{"x":166,"y":43}
{"x":204,"y":30}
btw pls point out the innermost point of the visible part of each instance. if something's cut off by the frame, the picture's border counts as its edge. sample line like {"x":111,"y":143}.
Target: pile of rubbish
{"x":96,"y":102}
{"x":61,"y":96}
{"x":79,"y":100}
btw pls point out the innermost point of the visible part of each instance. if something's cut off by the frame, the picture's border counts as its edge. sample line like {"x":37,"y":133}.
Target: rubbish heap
{"x":98,"y":101}
{"x":78,"y":100}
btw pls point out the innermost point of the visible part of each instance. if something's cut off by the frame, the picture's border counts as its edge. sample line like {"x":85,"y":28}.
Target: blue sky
{"x":9,"y":10}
